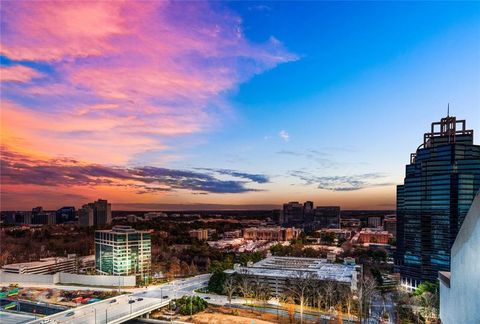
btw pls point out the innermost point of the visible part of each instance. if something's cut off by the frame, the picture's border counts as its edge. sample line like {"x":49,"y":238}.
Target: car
{"x":139,"y":299}
{"x":112,"y":301}
{"x":69,"y":314}
{"x":165,"y":297}
{"x":206,"y":297}
{"x":131,"y":301}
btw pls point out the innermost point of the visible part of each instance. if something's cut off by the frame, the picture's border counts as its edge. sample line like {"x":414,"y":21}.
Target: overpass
{"x":128,"y":306}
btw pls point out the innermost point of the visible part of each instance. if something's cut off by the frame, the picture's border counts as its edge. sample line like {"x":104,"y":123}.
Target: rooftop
{"x":290,"y":267}
{"x":40,"y":263}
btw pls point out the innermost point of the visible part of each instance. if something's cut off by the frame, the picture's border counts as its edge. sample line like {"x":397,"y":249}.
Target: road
{"x":382,"y":304}
{"x":15,"y":318}
{"x":141,"y":301}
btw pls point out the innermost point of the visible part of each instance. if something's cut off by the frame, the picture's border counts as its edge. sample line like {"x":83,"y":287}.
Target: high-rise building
{"x":390,"y":225}
{"x":440,"y":184}
{"x":123,"y":251}
{"x":460,"y":288}
{"x":327,"y":217}
{"x":85,"y":216}
{"x":102,"y":212}
{"x":98,"y":213}
{"x":293,"y":213}
{"x":65,"y":214}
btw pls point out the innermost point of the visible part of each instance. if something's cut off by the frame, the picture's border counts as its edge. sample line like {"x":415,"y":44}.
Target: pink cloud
{"x":18,"y":73}
{"x":127,"y":74}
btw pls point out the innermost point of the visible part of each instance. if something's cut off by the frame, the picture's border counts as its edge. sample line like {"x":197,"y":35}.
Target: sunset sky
{"x":230,"y":103}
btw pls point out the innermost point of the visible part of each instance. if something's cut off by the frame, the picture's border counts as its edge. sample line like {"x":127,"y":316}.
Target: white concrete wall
{"x":28,"y":278}
{"x":97,"y":280}
{"x":461,"y":302}
{"x":68,"y":278}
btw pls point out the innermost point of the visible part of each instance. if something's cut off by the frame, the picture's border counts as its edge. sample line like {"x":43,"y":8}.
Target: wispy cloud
{"x":258,"y":178}
{"x":343,"y":182}
{"x":322,"y":158}
{"x":284,"y":135}
{"x":19,"y":169}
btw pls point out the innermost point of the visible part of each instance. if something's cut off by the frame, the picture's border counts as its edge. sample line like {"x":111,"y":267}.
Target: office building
{"x":85,"y":216}
{"x":98,"y":213}
{"x":390,"y":225}
{"x":460,"y":288}
{"x":277,"y":272}
{"x":65,"y":214}
{"x":326,"y":217}
{"x":44,"y":266}
{"x":123,"y":251}
{"x":441,"y":181}
{"x":44,"y":218}
{"x":374,"y":221}
{"x":293,"y":213}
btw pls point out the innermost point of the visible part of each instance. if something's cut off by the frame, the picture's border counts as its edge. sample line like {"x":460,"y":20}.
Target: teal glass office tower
{"x":440,"y":184}
{"x":123,"y":251}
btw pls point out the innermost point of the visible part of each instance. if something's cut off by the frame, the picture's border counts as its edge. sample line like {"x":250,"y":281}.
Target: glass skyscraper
{"x":123,"y":251}
{"x":440,"y":184}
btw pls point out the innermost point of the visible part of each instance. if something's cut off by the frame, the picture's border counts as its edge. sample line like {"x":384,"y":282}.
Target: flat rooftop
{"x":290,"y":267}
{"x":34,"y":264}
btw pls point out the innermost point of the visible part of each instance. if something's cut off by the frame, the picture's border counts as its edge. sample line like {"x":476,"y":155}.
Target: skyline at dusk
{"x":209,"y":104}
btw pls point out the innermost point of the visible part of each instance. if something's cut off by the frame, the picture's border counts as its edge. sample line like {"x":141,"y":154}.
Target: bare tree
{"x":319,"y":294}
{"x":329,"y":287}
{"x":365,"y":294}
{"x":298,"y":287}
{"x":349,"y":302}
{"x":244,"y":285}
{"x":262,"y":291}
{"x":229,"y":287}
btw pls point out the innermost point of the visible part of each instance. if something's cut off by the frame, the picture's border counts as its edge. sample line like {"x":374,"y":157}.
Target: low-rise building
{"x":154,"y":215}
{"x":273,"y":233}
{"x":44,"y":266}
{"x":373,"y":235}
{"x":200,"y":234}
{"x":351,"y":223}
{"x":339,"y":234}
{"x":232,"y":234}
{"x":278,"y":271}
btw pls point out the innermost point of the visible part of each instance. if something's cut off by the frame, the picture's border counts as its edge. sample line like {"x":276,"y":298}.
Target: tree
{"x":216,"y":282}
{"x":229,"y":287}
{"x":173,"y":268}
{"x":329,"y":288}
{"x":261,"y":291}
{"x":319,"y":294}
{"x":298,"y":287}
{"x":365,"y":293}
{"x":244,"y":285}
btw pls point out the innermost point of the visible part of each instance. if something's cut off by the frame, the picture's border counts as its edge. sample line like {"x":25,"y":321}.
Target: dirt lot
{"x":220,"y":315}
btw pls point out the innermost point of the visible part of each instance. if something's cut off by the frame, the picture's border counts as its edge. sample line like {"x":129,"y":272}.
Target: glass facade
{"x":123,"y":251}
{"x":440,"y":183}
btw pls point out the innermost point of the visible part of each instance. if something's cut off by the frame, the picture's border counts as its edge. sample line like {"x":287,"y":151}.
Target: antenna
{"x":448,"y":110}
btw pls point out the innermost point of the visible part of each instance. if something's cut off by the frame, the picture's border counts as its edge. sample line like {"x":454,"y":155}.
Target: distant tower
{"x":440,"y":183}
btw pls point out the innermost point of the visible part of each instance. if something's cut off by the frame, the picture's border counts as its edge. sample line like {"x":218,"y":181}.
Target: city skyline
{"x":240,"y":103}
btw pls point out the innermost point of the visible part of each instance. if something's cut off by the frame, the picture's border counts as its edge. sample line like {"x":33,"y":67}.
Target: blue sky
{"x":335,"y":95}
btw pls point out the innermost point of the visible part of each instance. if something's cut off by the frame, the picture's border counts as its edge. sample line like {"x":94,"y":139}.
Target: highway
{"x":125,"y":307}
